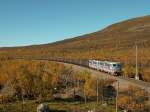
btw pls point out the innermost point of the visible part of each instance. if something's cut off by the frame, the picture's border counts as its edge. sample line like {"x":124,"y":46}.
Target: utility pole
{"x":22,"y":104}
{"x":22,"y":98}
{"x":85,"y":99}
{"x":97,"y":89}
{"x":136,"y":59}
{"x":117,"y":94}
{"x":3,"y":104}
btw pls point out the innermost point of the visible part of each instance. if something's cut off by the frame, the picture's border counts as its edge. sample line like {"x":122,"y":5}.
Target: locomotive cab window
{"x":119,"y":65}
{"x":114,"y":65}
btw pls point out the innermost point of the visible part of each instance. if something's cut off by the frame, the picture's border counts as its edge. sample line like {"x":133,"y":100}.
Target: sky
{"x":28,"y":22}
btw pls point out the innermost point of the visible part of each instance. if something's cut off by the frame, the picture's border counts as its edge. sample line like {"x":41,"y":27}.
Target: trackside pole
{"x":136,"y":59}
{"x":97,"y":89}
{"x":117,"y":94}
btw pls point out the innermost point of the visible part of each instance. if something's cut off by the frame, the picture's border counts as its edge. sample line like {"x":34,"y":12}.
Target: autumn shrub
{"x":146,"y":75}
{"x":29,"y":79}
{"x":90,"y":86}
{"x":133,"y":99}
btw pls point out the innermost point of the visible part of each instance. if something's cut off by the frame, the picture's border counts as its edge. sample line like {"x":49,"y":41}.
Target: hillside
{"x":24,"y":84}
{"x":116,"y":42}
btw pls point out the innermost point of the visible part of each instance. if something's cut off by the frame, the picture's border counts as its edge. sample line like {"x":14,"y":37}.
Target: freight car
{"x":114,"y":68}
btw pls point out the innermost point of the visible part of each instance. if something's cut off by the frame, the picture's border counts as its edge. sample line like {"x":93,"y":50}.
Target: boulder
{"x":43,"y":108}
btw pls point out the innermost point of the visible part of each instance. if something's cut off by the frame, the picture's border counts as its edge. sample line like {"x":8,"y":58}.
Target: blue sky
{"x":27,"y":22}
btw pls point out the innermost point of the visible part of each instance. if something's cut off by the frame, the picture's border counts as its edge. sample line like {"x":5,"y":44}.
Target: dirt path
{"x":123,"y":82}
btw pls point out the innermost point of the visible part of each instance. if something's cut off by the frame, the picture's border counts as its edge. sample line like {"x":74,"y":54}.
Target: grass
{"x":30,"y":106}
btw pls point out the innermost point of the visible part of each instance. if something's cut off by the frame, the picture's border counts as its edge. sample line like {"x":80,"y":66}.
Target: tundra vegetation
{"x":42,"y":81}
{"x":25,"y":84}
{"x":114,"y":43}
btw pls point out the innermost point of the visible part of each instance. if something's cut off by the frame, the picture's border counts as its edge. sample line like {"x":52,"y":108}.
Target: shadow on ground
{"x":53,"y":110}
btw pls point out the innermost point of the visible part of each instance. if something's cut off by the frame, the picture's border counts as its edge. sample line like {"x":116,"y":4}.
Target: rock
{"x":43,"y":108}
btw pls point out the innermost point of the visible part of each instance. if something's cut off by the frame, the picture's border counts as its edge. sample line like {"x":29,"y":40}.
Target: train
{"x":113,"y":68}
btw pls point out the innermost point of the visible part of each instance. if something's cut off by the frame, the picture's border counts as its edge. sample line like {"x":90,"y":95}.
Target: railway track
{"x":123,"y":81}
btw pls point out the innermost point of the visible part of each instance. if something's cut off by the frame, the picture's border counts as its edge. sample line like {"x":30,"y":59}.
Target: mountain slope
{"x":112,"y":43}
{"x":124,"y":33}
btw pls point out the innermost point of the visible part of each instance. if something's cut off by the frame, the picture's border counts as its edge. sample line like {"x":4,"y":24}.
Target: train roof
{"x":111,"y":62}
